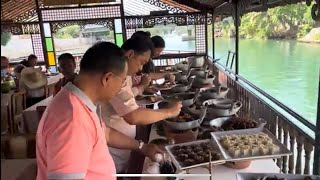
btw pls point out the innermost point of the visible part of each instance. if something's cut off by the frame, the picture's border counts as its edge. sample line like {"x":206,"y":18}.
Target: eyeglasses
{"x":124,"y":82}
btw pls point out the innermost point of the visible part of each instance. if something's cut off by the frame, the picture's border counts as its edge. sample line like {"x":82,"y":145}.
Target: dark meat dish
{"x":183,"y":117}
{"x":239,"y":123}
{"x":195,"y":154}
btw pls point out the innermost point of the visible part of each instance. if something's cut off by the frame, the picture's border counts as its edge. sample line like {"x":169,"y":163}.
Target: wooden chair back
{"x":18,"y":105}
{"x":40,"y":110}
{"x":4,"y":119}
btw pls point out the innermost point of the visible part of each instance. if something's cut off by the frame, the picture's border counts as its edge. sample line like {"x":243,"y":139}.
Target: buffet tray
{"x":179,"y":166}
{"x":283,"y":151}
{"x":257,"y":176}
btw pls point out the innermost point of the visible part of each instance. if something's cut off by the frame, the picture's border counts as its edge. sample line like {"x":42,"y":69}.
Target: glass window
{"x":177,"y":38}
{"x":278,"y":54}
{"x":224,"y":33}
{"x":16,"y":47}
{"x":72,"y":39}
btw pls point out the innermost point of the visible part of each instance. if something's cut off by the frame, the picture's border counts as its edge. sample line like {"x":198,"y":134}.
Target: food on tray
{"x":182,"y":117}
{"x":248,"y":145}
{"x":189,"y":155}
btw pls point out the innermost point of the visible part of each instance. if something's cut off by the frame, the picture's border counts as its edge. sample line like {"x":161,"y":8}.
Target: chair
{"x":18,"y":146}
{"x":40,"y":110}
{"x":18,"y":105}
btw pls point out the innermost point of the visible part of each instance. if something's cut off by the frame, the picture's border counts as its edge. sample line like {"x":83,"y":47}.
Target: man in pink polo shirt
{"x":71,"y":138}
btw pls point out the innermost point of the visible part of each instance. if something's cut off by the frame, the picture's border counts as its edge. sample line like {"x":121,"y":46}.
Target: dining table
{"x":31,"y":117}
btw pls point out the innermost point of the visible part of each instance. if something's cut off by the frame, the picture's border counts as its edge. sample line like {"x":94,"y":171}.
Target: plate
{"x":256,"y":176}
{"x":144,"y":101}
{"x":181,"y":166}
{"x":283,"y":150}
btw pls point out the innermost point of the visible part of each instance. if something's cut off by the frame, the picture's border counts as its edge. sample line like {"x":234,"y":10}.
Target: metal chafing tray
{"x":181,"y":166}
{"x":283,"y":151}
{"x":258,"y":176}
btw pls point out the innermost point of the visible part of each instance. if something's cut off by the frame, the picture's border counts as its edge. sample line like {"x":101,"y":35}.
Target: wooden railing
{"x":295,"y":138}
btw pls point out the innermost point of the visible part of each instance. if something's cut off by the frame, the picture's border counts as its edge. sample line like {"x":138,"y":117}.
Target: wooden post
{"x":43,"y":40}
{"x":316,"y":161}
{"x":237,"y":18}
{"x":213,"y":37}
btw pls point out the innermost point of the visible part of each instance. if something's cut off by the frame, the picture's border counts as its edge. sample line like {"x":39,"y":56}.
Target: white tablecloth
{"x":220,"y":172}
{"x":54,"y":79}
{"x":30,"y":115}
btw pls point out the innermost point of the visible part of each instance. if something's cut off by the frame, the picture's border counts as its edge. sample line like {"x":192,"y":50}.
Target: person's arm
{"x":125,"y":106}
{"x":144,"y":116}
{"x":113,"y":136}
{"x":68,"y":151}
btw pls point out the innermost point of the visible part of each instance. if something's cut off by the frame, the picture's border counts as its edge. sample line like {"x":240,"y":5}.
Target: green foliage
{"x":68,"y":32}
{"x":5,"y":38}
{"x":290,"y":21}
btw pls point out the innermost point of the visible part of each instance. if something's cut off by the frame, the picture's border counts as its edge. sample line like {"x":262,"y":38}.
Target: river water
{"x":285,"y":69}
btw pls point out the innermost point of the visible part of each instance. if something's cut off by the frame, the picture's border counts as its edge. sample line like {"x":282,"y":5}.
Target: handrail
{"x":272,"y":99}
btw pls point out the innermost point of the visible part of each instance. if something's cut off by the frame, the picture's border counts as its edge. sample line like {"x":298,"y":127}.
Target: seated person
{"x":17,"y":73}
{"x":5,"y":66}
{"x":32,"y":60}
{"x":67,"y":66}
{"x":33,"y":81}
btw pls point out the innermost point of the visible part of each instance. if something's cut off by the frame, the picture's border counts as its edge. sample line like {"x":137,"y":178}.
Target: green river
{"x":285,"y":69}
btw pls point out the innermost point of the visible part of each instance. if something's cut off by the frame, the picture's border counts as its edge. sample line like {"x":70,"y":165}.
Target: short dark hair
{"x":103,"y":57}
{"x":25,"y":63}
{"x":19,"y":68}
{"x":4,"y":58}
{"x":158,"y":42}
{"x":138,"y":44}
{"x":66,"y":56}
{"x":141,"y":34}
{"x":32,"y":56}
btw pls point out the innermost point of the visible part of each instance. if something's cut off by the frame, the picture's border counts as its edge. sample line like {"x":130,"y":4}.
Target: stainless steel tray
{"x":256,"y":176}
{"x":284,"y":151}
{"x":178,"y":164}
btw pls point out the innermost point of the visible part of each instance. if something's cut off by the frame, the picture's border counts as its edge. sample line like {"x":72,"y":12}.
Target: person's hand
{"x":174,"y":109}
{"x":145,"y":80}
{"x":170,"y":77}
{"x":150,"y":150}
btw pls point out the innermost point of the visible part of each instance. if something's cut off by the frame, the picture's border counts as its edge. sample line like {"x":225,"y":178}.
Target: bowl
{"x":196,"y":62}
{"x":181,"y":136}
{"x":228,"y":108}
{"x":215,"y":92}
{"x":182,"y":67}
{"x":204,"y":80}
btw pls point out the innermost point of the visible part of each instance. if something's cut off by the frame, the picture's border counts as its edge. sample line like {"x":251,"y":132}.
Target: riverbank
{"x":312,"y":37}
